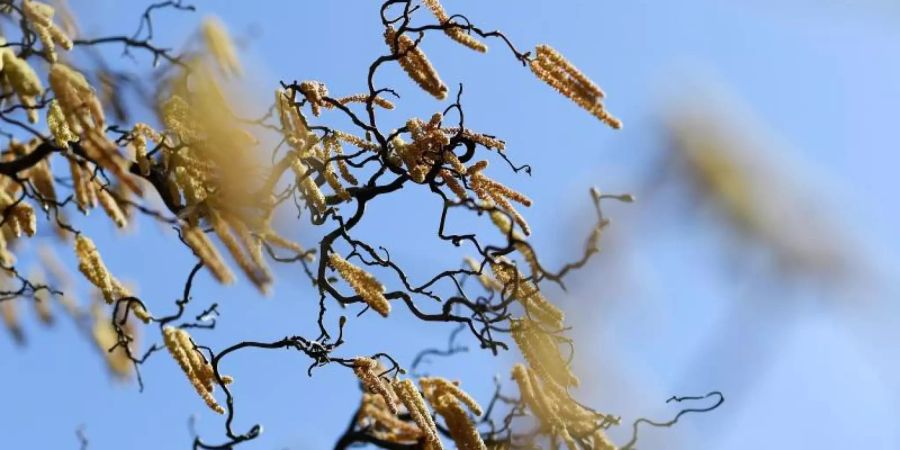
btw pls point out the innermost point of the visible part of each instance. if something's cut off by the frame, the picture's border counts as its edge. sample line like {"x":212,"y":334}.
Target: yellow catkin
{"x":105,"y":337}
{"x":513,"y":284}
{"x":84,"y":114}
{"x":410,"y":396}
{"x":559,"y":414}
{"x":463,"y":431}
{"x":330,"y":176}
{"x":517,"y":240}
{"x":315,"y":93}
{"x":9,"y":311}
{"x":308,"y":187}
{"x":41,"y":297}
{"x":220,"y":46}
{"x":363,"y":283}
{"x":91,"y":266}
{"x":59,"y":127}
{"x":111,"y":207}
{"x":41,"y":17}
{"x":363,"y":98}
{"x":542,"y":352}
{"x":354,"y":140}
{"x":455,"y":33}
{"x":198,"y":371}
{"x":414,"y":62}
{"x":486,"y":281}
{"x":494,"y":192}
{"x":384,"y":424}
{"x":435,"y":387}
{"x":257,"y":275}
{"x":140,"y":134}
{"x":342,"y":163}
{"x":479,"y":138}
{"x":19,"y":216}
{"x":555,"y":70}
{"x":367,"y":370}
{"x":24,"y":82}
{"x":204,"y":249}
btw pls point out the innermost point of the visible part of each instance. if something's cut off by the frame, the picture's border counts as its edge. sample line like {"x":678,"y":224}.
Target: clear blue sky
{"x":812,"y":367}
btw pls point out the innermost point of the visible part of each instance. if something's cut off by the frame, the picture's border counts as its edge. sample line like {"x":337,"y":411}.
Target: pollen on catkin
{"x":363,"y":283}
{"x":555,"y":70}
{"x":194,"y":365}
{"x":414,"y":62}
{"x":454,"y":31}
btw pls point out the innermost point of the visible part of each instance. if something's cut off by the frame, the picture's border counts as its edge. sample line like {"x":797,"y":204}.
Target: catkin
{"x":414,"y":62}
{"x":455,"y":32}
{"x":555,"y":70}
{"x":41,"y":17}
{"x":9,"y":311}
{"x":204,"y":249}
{"x":367,"y":370}
{"x":418,"y":410}
{"x":24,"y":82}
{"x":198,"y":371}
{"x":363,"y":283}
{"x":111,"y":207}
{"x":220,"y":46}
{"x":375,"y":415}
{"x":91,"y":266}
{"x":59,"y":127}
{"x":495,"y":192}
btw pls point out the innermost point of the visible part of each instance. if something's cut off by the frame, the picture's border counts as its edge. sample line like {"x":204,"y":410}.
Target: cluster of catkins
{"x":381,"y":408}
{"x":195,"y":366}
{"x":547,"y":64}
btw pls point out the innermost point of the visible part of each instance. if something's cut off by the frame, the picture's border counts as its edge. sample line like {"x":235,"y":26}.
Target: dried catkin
{"x":414,"y":62}
{"x":363,"y":283}
{"x":555,"y":70}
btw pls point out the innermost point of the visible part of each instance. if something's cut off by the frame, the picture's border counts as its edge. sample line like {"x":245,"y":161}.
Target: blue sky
{"x":810,"y":365}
